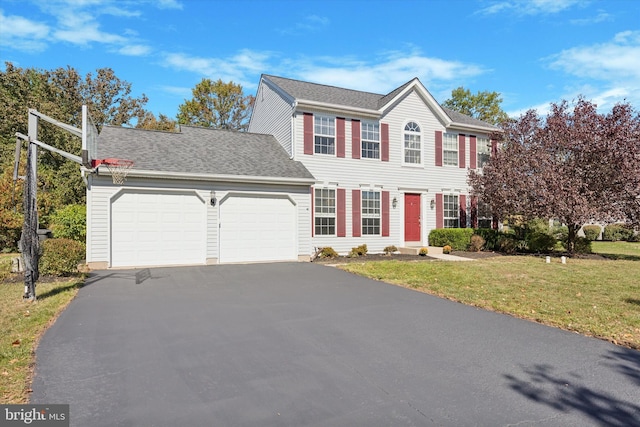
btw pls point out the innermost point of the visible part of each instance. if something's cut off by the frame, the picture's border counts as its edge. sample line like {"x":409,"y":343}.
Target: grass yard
{"x":22,"y":323}
{"x":599,"y":298}
{"x":617,"y":250}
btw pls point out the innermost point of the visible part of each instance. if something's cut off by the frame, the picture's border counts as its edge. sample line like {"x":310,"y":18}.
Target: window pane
{"x":412,"y":148}
{"x":451,"y":211}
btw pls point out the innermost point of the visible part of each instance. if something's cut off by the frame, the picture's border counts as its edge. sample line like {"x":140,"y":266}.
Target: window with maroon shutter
{"x":472,"y":152}
{"x":355,"y":139}
{"x":308,"y":133}
{"x":451,"y":211}
{"x":340,"y":136}
{"x":341,"y":206}
{"x":384,"y":141}
{"x":325,"y":211}
{"x":324,"y":135}
{"x":355,"y":213}
{"x":484,"y":152}
{"x":439,"y":149}
{"x":385,"y":213}
{"x":371,"y":212}
{"x":370,"y":137}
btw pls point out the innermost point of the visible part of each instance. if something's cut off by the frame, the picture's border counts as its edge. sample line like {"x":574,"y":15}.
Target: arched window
{"x":412,"y":144}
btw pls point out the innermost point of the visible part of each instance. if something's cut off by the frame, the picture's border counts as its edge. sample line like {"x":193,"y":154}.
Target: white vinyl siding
{"x":273,"y":116}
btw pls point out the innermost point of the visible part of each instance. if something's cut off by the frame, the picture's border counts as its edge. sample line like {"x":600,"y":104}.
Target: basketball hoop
{"x":119,"y":169}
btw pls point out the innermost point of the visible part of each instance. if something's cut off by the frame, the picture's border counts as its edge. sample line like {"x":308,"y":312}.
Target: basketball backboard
{"x":89,"y":139}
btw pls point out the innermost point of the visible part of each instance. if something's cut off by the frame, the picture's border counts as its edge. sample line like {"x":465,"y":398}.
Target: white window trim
{"x":457,"y":150}
{"x":333,"y":215}
{"x":363,"y":140}
{"x":364,"y":216}
{"x":479,"y":144}
{"x":456,"y":210}
{"x":315,"y":134}
{"x":404,"y":149}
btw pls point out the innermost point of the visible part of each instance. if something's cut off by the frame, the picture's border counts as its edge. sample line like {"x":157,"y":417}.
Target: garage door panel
{"x":254,"y":228}
{"x":151,"y":228}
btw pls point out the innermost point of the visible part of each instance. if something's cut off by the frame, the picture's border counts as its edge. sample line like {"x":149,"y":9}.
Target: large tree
{"x":150,"y":122}
{"x":483,"y":106}
{"x":217,"y":105}
{"x":59,"y":93}
{"x":577,"y":165}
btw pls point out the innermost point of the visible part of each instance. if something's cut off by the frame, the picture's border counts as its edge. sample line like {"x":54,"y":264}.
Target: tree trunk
{"x":571,"y":238}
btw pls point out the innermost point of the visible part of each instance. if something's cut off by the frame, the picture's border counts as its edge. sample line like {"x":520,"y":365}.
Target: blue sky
{"x":532,"y":52}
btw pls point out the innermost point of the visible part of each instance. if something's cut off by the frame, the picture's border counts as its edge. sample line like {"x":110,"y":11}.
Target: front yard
{"x":596,"y":297}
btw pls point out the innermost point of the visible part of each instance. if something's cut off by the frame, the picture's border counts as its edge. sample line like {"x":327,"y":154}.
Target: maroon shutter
{"x":463,"y":211}
{"x":341,"y":207}
{"x":308,"y":133}
{"x":494,"y":223}
{"x":474,"y":212}
{"x":461,"y":151}
{"x":385,"y":213}
{"x":313,"y":212}
{"x":494,"y":147}
{"x":439,"y":211}
{"x":473,"y":155}
{"x":438,"y":148}
{"x":384,"y":138}
{"x":340,"y":137}
{"x":355,"y":210}
{"x":355,"y":139}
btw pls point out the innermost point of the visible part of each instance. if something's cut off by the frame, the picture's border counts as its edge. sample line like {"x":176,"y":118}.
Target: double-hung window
{"x":370,"y":140}
{"x":325,"y":212}
{"x":450,"y":149}
{"x":451,"y":211}
{"x":325,"y":135}
{"x":484,"y":215}
{"x":371,"y":213}
{"x":412,"y":147}
{"x":484,"y":151}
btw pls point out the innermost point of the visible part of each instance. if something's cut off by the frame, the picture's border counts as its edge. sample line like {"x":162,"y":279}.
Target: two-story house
{"x":388,"y":168}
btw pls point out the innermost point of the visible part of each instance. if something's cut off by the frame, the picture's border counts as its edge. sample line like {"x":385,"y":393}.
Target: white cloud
{"x":530,"y":7}
{"x":135,"y":50}
{"x":602,"y":16}
{"x":25,"y":34}
{"x":168,"y":4}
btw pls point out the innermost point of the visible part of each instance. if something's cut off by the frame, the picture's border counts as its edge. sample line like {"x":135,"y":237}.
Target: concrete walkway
{"x":434,"y":252}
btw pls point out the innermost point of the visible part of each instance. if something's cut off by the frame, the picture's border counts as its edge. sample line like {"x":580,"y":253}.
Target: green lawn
{"x":617,"y":250}
{"x":22,"y":323}
{"x":599,"y":298}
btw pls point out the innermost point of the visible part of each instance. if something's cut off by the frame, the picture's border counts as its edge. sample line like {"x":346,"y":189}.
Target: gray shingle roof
{"x":200,"y":151}
{"x":354,"y":98}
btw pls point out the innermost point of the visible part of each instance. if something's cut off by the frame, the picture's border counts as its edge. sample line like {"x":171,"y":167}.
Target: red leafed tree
{"x":577,"y":165}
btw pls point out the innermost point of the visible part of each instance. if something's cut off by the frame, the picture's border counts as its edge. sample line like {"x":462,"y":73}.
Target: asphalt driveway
{"x":300,"y":344}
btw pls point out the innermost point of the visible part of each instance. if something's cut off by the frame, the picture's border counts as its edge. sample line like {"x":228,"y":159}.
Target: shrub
{"x":582,"y":246}
{"x":477,"y":242}
{"x":390,"y":249}
{"x":69,"y":222}
{"x":615,"y":232}
{"x":327,"y":252}
{"x":591,"y":232}
{"x":60,"y":257}
{"x":508,"y":244}
{"x":491,"y":238}
{"x":540,"y":242}
{"x":457,"y":238}
{"x":423,"y":251}
{"x":358,"y":251}
{"x":446,"y":249}
{"x":560,"y":232}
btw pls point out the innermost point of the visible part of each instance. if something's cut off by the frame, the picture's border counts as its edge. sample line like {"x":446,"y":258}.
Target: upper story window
{"x":325,"y":212}
{"x":370,"y":140}
{"x":412,"y":144}
{"x":484,"y":151}
{"x":450,"y":149}
{"x":451,"y":211}
{"x":371,"y":213}
{"x":324,"y":135}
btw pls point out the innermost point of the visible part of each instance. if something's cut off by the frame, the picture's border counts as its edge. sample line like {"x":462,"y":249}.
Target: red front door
{"x":411,"y":217}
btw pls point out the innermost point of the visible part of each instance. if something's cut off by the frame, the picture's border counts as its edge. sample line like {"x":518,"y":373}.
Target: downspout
{"x":294,"y":106}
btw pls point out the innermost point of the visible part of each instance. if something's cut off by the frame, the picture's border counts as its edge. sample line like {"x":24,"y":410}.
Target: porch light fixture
{"x":394,"y":203}
{"x":433,"y":203}
{"x":212,"y":197}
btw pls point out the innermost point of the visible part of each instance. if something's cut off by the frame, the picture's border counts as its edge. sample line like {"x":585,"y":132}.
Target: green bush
{"x":390,"y":249}
{"x":583,"y":246}
{"x":591,"y":232}
{"x":358,"y":251}
{"x":560,"y":232}
{"x":69,"y":222}
{"x":457,"y":238}
{"x":616,"y":232}
{"x":540,"y":242}
{"x":327,"y":252}
{"x":477,"y":242}
{"x":60,"y":257}
{"x":491,"y":238}
{"x":508,"y":244}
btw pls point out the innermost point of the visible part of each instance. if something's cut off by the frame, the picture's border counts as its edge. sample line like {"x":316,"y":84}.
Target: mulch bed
{"x":400,"y":257}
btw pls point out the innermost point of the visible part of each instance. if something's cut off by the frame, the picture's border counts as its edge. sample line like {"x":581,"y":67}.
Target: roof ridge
{"x":325,"y":85}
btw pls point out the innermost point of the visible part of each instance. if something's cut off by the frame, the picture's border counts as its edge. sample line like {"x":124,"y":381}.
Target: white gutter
{"x":465,"y":127}
{"x":336,"y":107}
{"x":212,"y":177}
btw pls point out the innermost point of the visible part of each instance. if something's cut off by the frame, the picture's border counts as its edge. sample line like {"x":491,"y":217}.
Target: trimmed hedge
{"x":591,"y":232}
{"x":457,"y":238}
{"x":60,"y":257}
{"x":615,"y":232}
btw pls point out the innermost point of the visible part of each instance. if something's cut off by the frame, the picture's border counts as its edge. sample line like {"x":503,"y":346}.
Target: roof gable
{"x":196,"y":150}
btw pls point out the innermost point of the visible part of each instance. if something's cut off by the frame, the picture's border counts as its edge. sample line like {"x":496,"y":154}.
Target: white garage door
{"x":254,"y":228}
{"x":153,"y":228}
